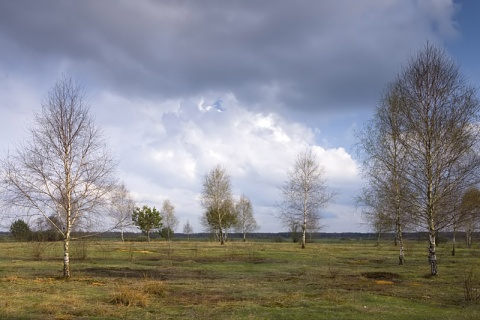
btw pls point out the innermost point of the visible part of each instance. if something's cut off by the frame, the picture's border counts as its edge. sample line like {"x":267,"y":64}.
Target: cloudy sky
{"x":181,"y":86}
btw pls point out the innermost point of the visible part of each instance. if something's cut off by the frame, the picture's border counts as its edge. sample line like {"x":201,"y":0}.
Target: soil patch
{"x":381,"y":275}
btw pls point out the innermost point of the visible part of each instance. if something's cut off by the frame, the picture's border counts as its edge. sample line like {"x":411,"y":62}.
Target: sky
{"x":181,"y":86}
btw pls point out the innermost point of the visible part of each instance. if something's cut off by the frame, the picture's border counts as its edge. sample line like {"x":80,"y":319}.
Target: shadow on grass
{"x":125,"y":273}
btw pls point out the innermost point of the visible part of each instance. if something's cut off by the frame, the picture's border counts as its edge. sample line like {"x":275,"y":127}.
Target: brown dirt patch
{"x":381,"y":275}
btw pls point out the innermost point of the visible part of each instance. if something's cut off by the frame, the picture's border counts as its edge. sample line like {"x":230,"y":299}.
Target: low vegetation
{"x":341,"y":279}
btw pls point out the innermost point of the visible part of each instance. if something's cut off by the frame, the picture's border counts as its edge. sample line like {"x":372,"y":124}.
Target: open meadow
{"x":341,"y":279}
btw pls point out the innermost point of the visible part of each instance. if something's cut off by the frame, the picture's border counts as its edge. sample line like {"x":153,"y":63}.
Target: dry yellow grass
{"x":129,"y":296}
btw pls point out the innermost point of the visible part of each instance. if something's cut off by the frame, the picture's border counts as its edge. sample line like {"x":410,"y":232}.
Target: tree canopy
{"x":20,"y":230}
{"x":217,"y":201}
{"x":147,"y":219}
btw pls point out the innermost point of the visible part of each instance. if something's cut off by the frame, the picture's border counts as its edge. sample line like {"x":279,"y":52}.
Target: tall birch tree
{"x":64,"y":170}
{"x":121,"y":208}
{"x":470,"y":213}
{"x":187,"y":229}
{"x":385,"y":201}
{"x":245,"y":220}
{"x":440,"y":113}
{"x":170,"y":221}
{"x":304,"y":193}
{"x":438,"y":121}
{"x":217,"y":201}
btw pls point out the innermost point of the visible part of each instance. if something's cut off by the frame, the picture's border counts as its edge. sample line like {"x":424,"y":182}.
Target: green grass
{"x":253,"y":280}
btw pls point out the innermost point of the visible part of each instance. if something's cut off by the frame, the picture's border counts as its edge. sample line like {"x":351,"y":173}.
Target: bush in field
{"x":470,"y":287}
{"x":167,"y":233}
{"x":20,"y":230}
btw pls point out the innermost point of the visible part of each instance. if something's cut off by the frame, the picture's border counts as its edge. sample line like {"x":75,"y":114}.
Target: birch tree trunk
{"x":304,"y":228}
{"x":468,"y":234}
{"x":222,"y":239}
{"x":432,"y":255}
{"x":66,"y":257}
{"x":453,"y":241}
{"x":401,"y":256}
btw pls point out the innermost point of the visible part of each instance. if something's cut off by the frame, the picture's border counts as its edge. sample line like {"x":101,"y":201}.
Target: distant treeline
{"x":263,"y":236}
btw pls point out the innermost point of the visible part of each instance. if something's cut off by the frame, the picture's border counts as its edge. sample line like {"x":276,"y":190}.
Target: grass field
{"x":255,"y":280}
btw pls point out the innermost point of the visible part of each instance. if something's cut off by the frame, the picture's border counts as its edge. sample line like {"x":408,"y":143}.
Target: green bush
{"x":278,"y":239}
{"x":166,"y":233}
{"x":20,"y":230}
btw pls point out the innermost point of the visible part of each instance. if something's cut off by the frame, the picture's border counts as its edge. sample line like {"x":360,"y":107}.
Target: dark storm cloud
{"x":308,"y":55}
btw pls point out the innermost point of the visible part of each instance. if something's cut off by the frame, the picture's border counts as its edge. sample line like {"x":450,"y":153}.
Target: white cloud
{"x":17,"y":103}
{"x":168,"y":157}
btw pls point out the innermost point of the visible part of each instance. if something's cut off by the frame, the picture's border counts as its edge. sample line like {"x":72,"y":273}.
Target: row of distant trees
{"x":420,"y":152}
{"x":304,"y":193}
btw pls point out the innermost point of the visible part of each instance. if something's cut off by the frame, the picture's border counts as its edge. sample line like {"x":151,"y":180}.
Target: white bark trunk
{"x":432,"y":255}
{"x":222,"y":241}
{"x":401,"y":256}
{"x":66,"y":258}
{"x":453,"y":243}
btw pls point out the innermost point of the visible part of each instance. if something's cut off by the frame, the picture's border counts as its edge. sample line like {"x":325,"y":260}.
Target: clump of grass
{"x":12,"y":278}
{"x":137,"y":295}
{"x":130,"y":296}
{"x":333,"y":272}
{"x":472,"y":294}
{"x":154,"y":288}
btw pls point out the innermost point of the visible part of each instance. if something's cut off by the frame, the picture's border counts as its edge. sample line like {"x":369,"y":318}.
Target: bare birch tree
{"x":385,"y":201}
{"x":121,"y":208}
{"x":217,"y":201}
{"x":170,"y":221}
{"x":64,"y":169}
{"x":245,"y":220}
{"x":187,"y":229}
{"x":439,"y":113}
{"x":304,"y":193}
{"x":470,"y":209}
